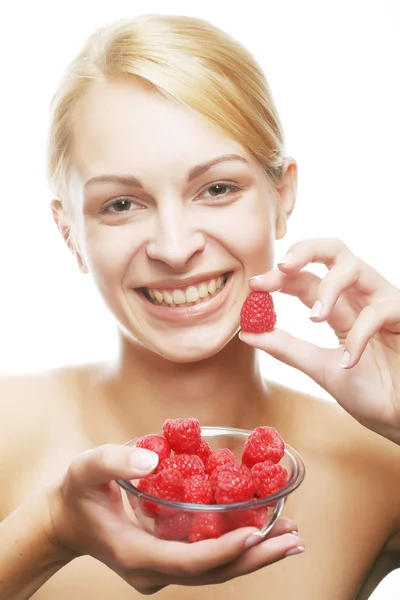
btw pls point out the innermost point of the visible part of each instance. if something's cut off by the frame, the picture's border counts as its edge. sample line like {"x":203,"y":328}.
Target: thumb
{"x":299,"y":354}
{"x":105,"y":463}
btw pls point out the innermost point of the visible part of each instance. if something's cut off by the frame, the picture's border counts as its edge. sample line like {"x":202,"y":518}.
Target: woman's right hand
{"x":87,"y":517}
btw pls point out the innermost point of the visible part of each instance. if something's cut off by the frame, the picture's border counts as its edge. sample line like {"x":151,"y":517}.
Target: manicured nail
{"x":294,"y":551}
{"x":345,"y":360}
{"x":144,"y":460}
{"x":316,"y":309}
{"x":285,"y":259}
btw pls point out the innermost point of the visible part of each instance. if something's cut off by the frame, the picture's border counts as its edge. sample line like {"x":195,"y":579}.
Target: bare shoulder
{"x":322,"y":428}
{"x":34,"y":409}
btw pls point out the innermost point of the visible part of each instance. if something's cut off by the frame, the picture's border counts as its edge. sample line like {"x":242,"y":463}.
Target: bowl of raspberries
{"x":211,"y":480}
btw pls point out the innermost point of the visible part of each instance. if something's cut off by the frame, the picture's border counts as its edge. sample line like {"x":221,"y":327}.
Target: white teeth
{"x":203,"y":290}
{"x":158,"y":295}
{"x":167,"y":297}
{"x":192,"y":294}
{"x":179,"y":297}
{"x":212,"y":287}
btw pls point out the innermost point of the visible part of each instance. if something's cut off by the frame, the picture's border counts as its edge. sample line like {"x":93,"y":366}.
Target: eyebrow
{"x":193,"y":173}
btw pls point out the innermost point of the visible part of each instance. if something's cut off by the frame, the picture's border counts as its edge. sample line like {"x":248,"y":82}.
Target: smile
{"x":189,"y":296}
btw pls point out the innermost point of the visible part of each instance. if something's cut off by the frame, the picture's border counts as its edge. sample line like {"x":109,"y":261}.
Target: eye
{"x":219,"y":190}
{"x":121,"y":205}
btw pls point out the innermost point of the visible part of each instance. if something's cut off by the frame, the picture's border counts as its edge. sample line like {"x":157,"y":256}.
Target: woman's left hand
{"x":363,"y":309}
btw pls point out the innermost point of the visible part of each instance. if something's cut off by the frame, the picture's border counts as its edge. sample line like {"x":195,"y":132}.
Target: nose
{"x":175,"y":238}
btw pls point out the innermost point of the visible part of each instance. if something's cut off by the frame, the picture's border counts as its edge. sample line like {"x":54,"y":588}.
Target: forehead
{"x":122,"y":125}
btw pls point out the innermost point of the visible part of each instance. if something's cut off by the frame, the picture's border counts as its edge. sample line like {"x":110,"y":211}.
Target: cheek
{"x":250,"y":233}
{"x":108,"y":251}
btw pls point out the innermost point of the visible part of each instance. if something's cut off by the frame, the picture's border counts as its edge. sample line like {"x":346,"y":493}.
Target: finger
{"x":281,"y":526}
{"x":103,"y":464}
{"x":181,"y":560}
{"x":383,"y":314}
{"x":342,"y":276}
{"x":331,"y":251}
{"x":317,"y":250}
{"x":266,"y":553}
{"x":164,"y":574}
{"x":303,"y":285}
{"x":299,"y":354}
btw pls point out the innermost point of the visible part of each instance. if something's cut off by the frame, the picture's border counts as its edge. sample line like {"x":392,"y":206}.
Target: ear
{"x":64,"y":227}
{"x":287,"y":192}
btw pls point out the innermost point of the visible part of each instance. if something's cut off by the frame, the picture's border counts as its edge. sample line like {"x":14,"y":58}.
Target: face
{"x":172,"y":217}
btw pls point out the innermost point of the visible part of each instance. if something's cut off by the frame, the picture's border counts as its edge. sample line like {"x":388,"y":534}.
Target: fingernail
{"x":285,"y":259}
{"x":316,"y":309}
{"x":294,"y":551}
{"x":345,"y":360}
{"x":256,"y":277}
{"x":144,"y":460}
{"x":254,"y":539}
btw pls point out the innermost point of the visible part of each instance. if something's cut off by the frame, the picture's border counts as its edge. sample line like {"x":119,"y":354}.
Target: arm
{"x":28,"y":558}
{"x":83,"y":514}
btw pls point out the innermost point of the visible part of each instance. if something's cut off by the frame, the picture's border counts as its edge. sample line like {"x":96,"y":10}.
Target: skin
{"x":347,"y":509}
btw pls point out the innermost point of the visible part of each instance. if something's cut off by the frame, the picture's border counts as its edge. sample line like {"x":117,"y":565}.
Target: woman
{"x":171,"y":184}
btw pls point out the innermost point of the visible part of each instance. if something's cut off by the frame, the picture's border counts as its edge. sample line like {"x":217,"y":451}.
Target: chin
{"x":191,"y":348}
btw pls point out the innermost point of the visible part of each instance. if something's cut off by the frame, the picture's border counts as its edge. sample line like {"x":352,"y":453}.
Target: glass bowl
{"x":174,"y":520}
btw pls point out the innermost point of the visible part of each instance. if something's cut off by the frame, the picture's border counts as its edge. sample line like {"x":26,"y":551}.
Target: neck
{"x":144,"y":389}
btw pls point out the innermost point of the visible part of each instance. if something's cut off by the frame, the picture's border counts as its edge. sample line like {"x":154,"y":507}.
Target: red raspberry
{"x":268,"y":478}
{"x":173,"y":527}
{"x":234,"y":487}
{"x":252,"y":517}
{"x":167,"y":484}
{"x":183,"y":435}
{"x":207,"y":525}
{"x":144,"y":484}
{"x":218,"y":458}
{"x":264,"y":443}
{"x":257,"y":314}
{"x":229,"y":467}
{"x":147,"y":508}
{"x":157,"y":444}
{"x":187,"y":464}
{"x":197,"y":489}
{"x":204,"y":451}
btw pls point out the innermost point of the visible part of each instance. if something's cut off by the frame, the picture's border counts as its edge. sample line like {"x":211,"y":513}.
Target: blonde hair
{"x":185,"y":58}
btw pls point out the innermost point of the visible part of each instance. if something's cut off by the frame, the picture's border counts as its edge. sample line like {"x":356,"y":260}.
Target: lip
{"x":183,"y":313}
{"x":173,"y":284}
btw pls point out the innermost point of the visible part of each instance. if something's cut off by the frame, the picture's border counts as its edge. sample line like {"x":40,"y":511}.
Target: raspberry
{"x":198,"y":490}
{"x":228,"y":467}
{"x":167,"y":484}
{"x":234,"y":487}
{"x":148,"y":508}
{"x":207,"y":525}
{"x":264,"y":443}
{"x":173,"y":527}
{"x":183,"y":435}
{"x":257,"y":314}
{"x":144,"y":484}
{"x":268,"y":478}
{"x":187,"y":464}
{"x":218,"y":458}
{"x":252,"y":517}
{"x":157,"y":444}
{"x":204,"y":451}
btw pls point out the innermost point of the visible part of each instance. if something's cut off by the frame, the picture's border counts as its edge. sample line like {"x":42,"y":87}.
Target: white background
{"x":334,"y":72}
